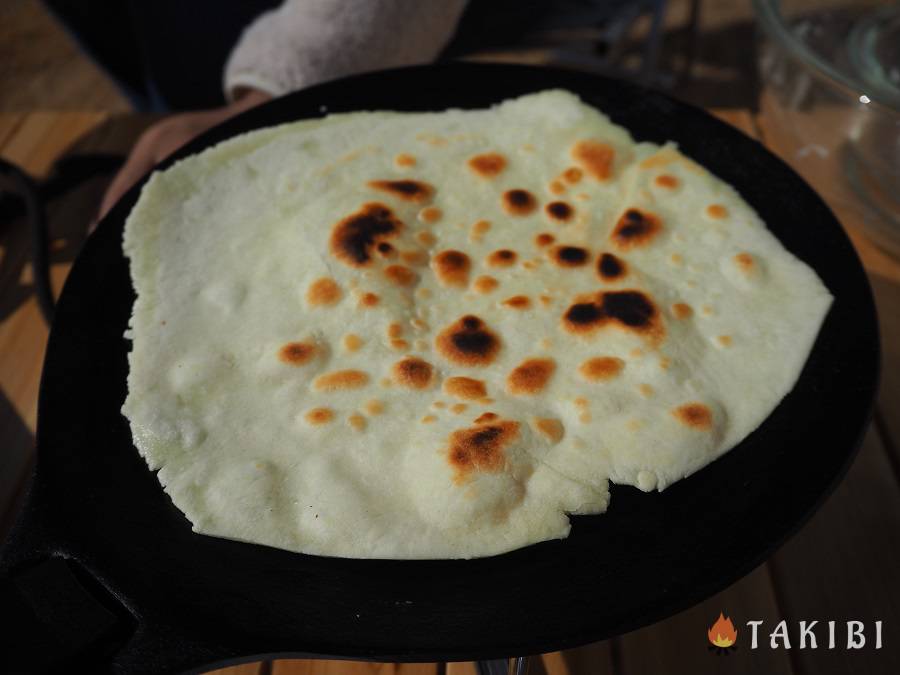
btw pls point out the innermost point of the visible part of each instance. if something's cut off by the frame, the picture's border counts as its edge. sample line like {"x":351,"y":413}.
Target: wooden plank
{"x":43,"y":67}
{"x":256,"y":668}
{"x":9,"y":122}
{"x":845,"y":565}
{"x":44,"y":136}
{"x":325,"y":667}
{"x":592,"y":659}
{"x":875,"y":260}
{"x":536,"y":666}
{"x":738,"y":117}
{"x":22,"y":338}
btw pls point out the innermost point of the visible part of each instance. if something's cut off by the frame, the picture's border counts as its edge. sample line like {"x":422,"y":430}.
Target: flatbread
{"x":387,"y":335}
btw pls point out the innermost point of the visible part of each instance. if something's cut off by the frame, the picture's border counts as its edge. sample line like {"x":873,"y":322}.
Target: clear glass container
{"x":830,"y":103}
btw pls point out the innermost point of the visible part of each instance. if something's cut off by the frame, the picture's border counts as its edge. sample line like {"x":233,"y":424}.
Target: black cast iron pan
{"x":151,"y":596}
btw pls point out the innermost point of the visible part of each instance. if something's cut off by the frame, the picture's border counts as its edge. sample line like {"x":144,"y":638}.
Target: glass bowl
{"x":830,"y":102}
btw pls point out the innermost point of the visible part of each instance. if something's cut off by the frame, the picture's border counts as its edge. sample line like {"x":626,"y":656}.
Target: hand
{"x":165,"y":137}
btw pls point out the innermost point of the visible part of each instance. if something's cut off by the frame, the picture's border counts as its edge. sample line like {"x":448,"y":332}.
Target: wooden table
{"x":844,"y":565}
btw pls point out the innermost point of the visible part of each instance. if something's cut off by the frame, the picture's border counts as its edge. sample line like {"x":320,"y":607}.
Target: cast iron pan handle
{"x":56,"y":624}
{"x":53,"y":622}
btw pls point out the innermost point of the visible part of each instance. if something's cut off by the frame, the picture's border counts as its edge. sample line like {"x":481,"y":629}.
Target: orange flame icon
{"x":722,"y":633}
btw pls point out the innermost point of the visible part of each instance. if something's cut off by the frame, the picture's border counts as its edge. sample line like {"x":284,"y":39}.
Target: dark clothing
{"x":163,"y":54}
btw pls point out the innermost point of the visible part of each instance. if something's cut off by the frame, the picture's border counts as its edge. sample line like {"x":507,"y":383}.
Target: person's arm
{"x":296,"y":45}
{"x":166,"y":136}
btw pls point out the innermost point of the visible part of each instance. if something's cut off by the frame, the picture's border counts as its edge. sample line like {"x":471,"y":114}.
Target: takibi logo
{"x":722,"y":635}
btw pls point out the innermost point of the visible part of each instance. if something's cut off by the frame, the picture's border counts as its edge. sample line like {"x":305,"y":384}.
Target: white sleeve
{"x":303,"y":42}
